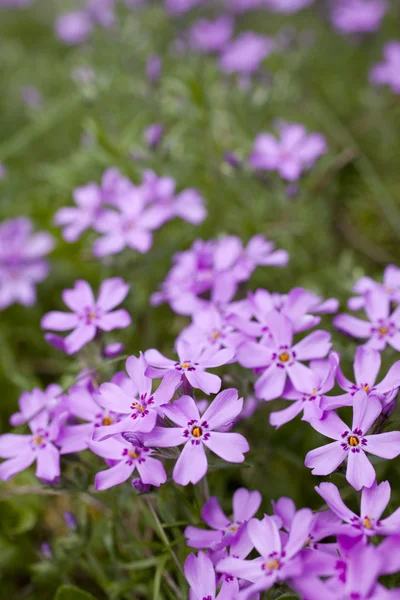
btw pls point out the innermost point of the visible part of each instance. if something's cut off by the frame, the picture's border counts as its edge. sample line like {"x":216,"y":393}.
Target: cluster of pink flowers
{"x":126,"y":214}
{"x":22,"y":262}
{"x":294,"y":547}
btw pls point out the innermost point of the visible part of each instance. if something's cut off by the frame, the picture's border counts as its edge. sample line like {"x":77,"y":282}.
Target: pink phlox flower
{"x":390,"y":285}
{"x":125,"y":458}
{"x":211,"y":36}
{"x":293,"y":153}
{"x":367,"y":364}
{"x":75,"y":220}
{"x":381,"y":329}
{"x":374,"y":500}
{"x":140,"y":409}
{"x":51,"y":400}
{"x":224,"y":531}
{"x":195,"y":432}
{"x":89,"y":315}
{"x":200,"y":574}
{"x":245,"y":53}
{"x":20,"y":451}
{"x":353,"y":443}
{"x":193,"y":360}
{"x":388,"y":71}
{"x":358,"y":16}
{"x":277,"y":358}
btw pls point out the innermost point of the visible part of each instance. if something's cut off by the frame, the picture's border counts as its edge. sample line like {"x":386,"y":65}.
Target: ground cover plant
{"x":199,"y":299}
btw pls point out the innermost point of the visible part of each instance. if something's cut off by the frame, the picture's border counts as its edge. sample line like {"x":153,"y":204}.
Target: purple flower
{"x":128,"y":457}
{"x":192,"y":361}
{"x":211,"y":36}
{"x":89,"y":315}
{"x":358,"y":16}
{"x":367,"y":364}
{"x":74,"y":28}
{"x":153,"y":68}
{"x":20,"y":451}
{"x":70,"y":520}
{"x":382,"y":327}
{"x":353,"y":443}
{"x":75,"y":220}
{"x":140,"y":409}
{"x":278,"y":561}
{"x":245,"y":54}
{"x":102,"y":12}
{"x":388,"y":71}
{"x":51,"y":400}
{"x":390,"y":285}
{"x":114,"y":349}
{"x":195,"y":432}
{"x":153,"y":135}
{"x":291,"y":155}
{"x":224,"y":531}
{"x":278,"y":358}
{"x":374,"y":500}
{"x":21,"y":261}
{"x":312,"y":401}
{"x":199,"y":571}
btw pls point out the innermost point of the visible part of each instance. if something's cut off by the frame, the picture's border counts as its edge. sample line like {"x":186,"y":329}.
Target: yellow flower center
{"x":367,"y":522}
{"x":383,"y":330}
{"x":185,"y":365}
{"x":233,"y":528}
{"x":366,"y":388}
{"x":284,"y":357}
{"x":272,"y":564}
{"x":38,"y":439}
{"x":215,"y":335}
{"x":138,"y":407}
{"x":92,"y":316}
{"x":353,"y":441}
{"x":107,"y":421}
{"x":197,"y":432}
{"x":133,"y":454}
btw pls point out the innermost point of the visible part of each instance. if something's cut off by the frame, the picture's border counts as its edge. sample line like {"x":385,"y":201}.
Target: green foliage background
{"x":343,"y":223}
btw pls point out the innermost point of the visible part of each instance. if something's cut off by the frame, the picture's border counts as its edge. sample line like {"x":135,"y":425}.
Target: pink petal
{"x":385,"y":445}
{"x":250,"y":570}
{"x":264,"y":535}
{"x":182,"y":410}
{"x":367,"y":363}
{"x":79,"y":338}
{"x":375,"y":499}
{"x":271,"y":383}
{"x":366,"y":409}
{"x":136,"y":368}
{"x":315,"y":345}
{"x":360,"y":473}
{"x":218,"y":358}
{"x":245,"y":504}
{"x":111,"y":396}
{"x":79,"y":297}
{"x":118,"y":319}
{"x":59,"y":321}
{"x":165,"y":437}
{"x":251,"y":355}
{"x":199,"y":571}
{"x":330,"y":493}
{"x":112,"y":292}
{"x":12,"y":466}
{"x":152,"y":471}
{"x":299,"y":531}
{"x":108,"y":244}
{"x":167,"y":388}
{"x":352,"y":326}
{"x":213,"y":515}
{"x":326,"y":459}
{"x":191,"y":465}
{"x":114,"y":476}
{"x":156,"y":359}
{"x":331,"y":425}
{"x":206,"y":382}
{"x":280,"y":417}
{"x":280,"y":327}
{"x":229,"y":446}
{"x":302,"y":378}
{"x":391,"y":381}
{"x":11,"y":444}
{"x":377,"y":303}
{"x":48,"y":463}
{"x":223,"y":409}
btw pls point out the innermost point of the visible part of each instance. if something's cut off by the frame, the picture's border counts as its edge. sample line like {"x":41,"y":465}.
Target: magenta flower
{"x":353,"y":443}
{"x":382,"y":327}
{"x":20,"y":451}
{"x":224,"y":531}
{"x":374,"y":500}
{"x":75,"y":220}
{"x":51,"y":400}
{"x":195,"y":432}
{"x":22,"y":265}
{"x":211,"y":36}
{"x":74,"y":28}
{"x":193,"y":360}
{"x":291,"y":155}
{"x":278,"y":561}
{"x":245,"y":54}
{"x":199,"y":572}
{"x":312,"y":401}
{"x":358,"y":16}
{"x":153,"y":135}
{"x":388,"y":71}
{"x":128,"y":457}
{"x":390,"y":285}
{"x":367,"y":364}
{"x":140,"y":409}
{"x":278,"y":358}
{"x":89,"y":315}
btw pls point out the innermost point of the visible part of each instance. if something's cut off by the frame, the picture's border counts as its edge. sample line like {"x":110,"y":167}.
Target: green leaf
{"x":158,"y":577}
{"x":70,"y":592}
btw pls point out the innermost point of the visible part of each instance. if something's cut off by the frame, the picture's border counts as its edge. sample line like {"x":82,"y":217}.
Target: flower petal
{"x":59,"y":321}
{"x":229,"y":446}
{"x":117,"y":319}
{"x":315,"y":345}
{"x":152,"y":471}
{"x":330,"y":493}
{"x":12,"y":466}
{"x":324,"y":460}
{"x":78,"y":338}
{"x":48,"y":463}
{"x":112,"y":292}
{"x":265,"y":536}
{"x":367,"y":363}
{"x":191,"y":465}
{"x":245,"y":504}
{"x":213,"y":515}
{"x":366,"y":409}
{"x":223,"y":409}
{"x":375,"y":499}
{"x":385,"y":445}
{"x":271,"y":383}
{"x":352,"y":326}
{"x":114,"y":476}
{"x":360,"y":473}
{"x":206,"y":382}
{"x":79,"y":297}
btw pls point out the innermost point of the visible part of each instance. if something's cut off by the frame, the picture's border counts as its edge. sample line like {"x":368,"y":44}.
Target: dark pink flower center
{"x":354,"y":440}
